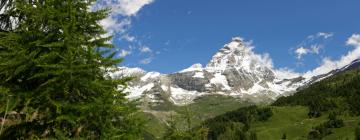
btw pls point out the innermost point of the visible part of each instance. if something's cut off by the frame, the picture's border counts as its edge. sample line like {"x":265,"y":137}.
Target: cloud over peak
{"x":354,"y":40}
{"x":328,"y":64}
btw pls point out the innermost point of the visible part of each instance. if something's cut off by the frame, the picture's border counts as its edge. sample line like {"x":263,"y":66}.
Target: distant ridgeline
{"x":339,"y":93}
{"x":324,"y":109}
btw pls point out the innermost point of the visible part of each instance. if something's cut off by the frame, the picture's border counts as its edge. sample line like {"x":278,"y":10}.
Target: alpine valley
{"x":235,"y":77}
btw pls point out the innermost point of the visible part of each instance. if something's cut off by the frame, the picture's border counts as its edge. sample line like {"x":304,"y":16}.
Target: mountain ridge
{"x":235,"y":70}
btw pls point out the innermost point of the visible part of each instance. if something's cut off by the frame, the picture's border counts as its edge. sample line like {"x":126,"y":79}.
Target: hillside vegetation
{"x":326,"y":110}
{"x":340,"y":93}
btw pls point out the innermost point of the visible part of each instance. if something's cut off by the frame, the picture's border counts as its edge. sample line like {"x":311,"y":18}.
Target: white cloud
{"x":319,"y":35}
{"x":122,"y":7}
{"x":119,"y":21}
{"x":313,"y":44}
{"x":129,"y":7}
{"x":316,"y":48}
{"x":325,"y":35}
{"x":301,"y":51}
{"x":124,"y":53}
{"x":286,"y":73}
{"x":113,"y":26}
{"x":128,"y":38}
{"x":145,"y":49}
{"x":328,"y":64}
{"x":121,"y":11}
{"x":265,"y":60}
{"x":354,"y":40}
{"x":146,"y":61}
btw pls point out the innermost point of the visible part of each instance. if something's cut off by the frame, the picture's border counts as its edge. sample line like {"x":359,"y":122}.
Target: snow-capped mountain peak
{"x":238,"y":54}
{"x":195,"y":67}
{"x":235,"y":70}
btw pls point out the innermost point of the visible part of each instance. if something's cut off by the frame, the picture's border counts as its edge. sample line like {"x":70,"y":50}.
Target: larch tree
{"x":54,"y":65}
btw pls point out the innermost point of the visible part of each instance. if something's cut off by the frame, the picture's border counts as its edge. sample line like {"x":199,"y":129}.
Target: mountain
{"x":339,"y":92}
{"x":352,"y":66}
{"x":328,"y":109}
{"x":235,"y":70}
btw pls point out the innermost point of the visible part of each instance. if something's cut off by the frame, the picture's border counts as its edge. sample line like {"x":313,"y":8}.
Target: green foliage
{"x":324,"y":129}
{"x":203,"y":108}
{"x":283,"y":137}
{"x":357,"y":132}
{"x":234,"y":131}
{"x":264,"y":114}
{"x":53,"y":66}
{"x":334,"y":122}
{"x":236,"y":124}
{"x":339,"y":92}
{"x":253,"y":136}
{"x":319,"y":132}
{"x":175,"y":131}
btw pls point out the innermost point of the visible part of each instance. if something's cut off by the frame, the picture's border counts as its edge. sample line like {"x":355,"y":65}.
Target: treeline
{"x":324,"y":129}
{"x":235,"y":125}
{"x":340,"y":92}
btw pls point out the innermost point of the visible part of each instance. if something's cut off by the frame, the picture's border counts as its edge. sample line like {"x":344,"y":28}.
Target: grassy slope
{"x":154,"y":127}
{"x":210,"y":106}
{"x":204,"y":108}
{"x":294,"y":122}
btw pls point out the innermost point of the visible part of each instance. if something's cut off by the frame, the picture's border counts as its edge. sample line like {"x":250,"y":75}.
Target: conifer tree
{"x":54,"y":62}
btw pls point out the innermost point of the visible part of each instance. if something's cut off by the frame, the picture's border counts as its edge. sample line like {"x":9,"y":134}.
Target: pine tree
{"x":54,"y":65}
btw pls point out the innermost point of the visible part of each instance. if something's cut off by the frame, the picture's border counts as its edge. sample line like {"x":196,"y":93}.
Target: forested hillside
{"x":340,"y":93}
{"x":326,"y":110}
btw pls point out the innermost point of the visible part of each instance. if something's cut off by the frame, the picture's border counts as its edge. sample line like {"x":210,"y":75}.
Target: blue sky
{"x":171,"y":35}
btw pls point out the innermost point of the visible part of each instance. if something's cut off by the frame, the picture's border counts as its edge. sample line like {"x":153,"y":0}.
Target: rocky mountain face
{"x":235,"y":70}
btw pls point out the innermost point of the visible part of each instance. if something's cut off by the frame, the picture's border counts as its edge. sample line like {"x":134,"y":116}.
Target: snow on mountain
{"x":353,"y":65}
{"x":238,"y":54}
{"x":195,"y":67}
{"x":150,"y":75}
{"x":125,"y":72}
{"x":235,"y":70}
